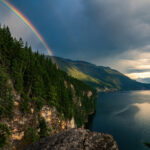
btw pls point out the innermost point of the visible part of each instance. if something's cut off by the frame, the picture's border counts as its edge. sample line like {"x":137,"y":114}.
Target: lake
{"x":126,"y":116}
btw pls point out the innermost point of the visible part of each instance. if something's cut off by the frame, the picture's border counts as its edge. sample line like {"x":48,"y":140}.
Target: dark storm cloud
{"x":115,"y":33}
{"x":124,"y":24}
{"x":106,"y":28}
{"x":96,"y":27}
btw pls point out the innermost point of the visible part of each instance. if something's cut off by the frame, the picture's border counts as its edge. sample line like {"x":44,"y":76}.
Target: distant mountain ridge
{"x":99,"y":77}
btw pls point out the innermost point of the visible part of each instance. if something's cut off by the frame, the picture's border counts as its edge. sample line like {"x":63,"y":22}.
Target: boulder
{"x":76,"y":139}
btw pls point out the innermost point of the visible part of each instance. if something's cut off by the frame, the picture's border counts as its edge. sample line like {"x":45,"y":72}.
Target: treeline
{"x":38,"y":81}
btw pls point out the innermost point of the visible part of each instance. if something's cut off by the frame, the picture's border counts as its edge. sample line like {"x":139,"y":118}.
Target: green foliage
{"x":30,"y":136}
{"x":38,"y":103}
{"x":147,"y":144}
{"x":4,"y":135}
{"x":74,"y":72}
{"x":53,"y":96}
{"x":25,"y":103}
{"x":40,"y":82}
{"x":44,"y":130}
{"x":6,"y":98}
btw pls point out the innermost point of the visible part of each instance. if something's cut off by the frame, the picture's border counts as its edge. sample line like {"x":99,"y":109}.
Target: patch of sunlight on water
{"x":144,"y":92}
{"x":143,"y":113}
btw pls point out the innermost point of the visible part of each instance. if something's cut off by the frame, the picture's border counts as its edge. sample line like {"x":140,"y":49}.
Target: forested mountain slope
{"x":36,"y":98}
{"x":99,"y":77}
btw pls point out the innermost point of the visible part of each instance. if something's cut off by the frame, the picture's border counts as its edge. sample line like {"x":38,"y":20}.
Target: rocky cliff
{"x":37,"y":99}
{"x":26,"y":125}
{"x":76,"y":139}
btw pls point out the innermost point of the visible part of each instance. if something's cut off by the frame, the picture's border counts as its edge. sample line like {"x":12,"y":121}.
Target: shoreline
{"x":90,"y":118}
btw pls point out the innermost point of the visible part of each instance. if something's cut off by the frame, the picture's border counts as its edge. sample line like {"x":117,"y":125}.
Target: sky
{"x":114,"y":33}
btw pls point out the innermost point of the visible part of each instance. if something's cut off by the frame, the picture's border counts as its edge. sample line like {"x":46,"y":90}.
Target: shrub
{"x":44,"y":130}
{"x":4,"y":134}
{"x":30,"y":136}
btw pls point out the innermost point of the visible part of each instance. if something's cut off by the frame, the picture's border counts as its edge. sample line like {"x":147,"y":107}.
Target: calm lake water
{"x":126,"y":116}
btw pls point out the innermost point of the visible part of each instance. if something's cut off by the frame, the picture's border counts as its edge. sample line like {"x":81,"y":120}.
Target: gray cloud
{"x":99,"y":28}
{"x":115,"y":33}
{"x":132,"y":70}
{"x":124,"y":24}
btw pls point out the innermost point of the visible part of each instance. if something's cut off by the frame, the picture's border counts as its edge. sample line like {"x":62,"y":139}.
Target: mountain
{"x":99,"y":77}
{"x":36,"y":98}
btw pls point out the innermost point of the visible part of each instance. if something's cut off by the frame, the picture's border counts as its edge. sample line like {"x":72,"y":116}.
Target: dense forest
{"x":38,"y":82}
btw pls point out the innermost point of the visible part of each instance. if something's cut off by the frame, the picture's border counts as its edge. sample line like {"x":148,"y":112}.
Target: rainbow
{"x":30,"y":25}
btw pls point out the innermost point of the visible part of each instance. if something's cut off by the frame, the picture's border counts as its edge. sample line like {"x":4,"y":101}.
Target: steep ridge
{"x":36,"y":98}
{"x":99,"y":77}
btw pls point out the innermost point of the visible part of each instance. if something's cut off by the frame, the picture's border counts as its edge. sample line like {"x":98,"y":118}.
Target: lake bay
{"x":124,"y":115}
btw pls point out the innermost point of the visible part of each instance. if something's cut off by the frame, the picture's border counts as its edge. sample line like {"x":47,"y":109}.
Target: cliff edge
{"x":76,"y":139}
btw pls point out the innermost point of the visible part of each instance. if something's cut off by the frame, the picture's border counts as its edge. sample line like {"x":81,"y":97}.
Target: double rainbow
{"x":30,"y":25}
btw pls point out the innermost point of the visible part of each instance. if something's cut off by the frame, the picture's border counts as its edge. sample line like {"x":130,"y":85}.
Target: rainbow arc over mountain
{"x":30,"y":26}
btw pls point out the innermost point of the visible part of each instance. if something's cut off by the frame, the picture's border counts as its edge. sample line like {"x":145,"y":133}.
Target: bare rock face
{"x":76,"y":139}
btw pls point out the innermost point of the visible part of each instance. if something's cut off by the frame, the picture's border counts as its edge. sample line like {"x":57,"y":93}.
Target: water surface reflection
{"x":125,"y":115}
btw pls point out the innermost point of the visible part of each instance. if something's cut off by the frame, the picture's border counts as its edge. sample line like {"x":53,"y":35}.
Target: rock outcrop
{"x":76,"y":139}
